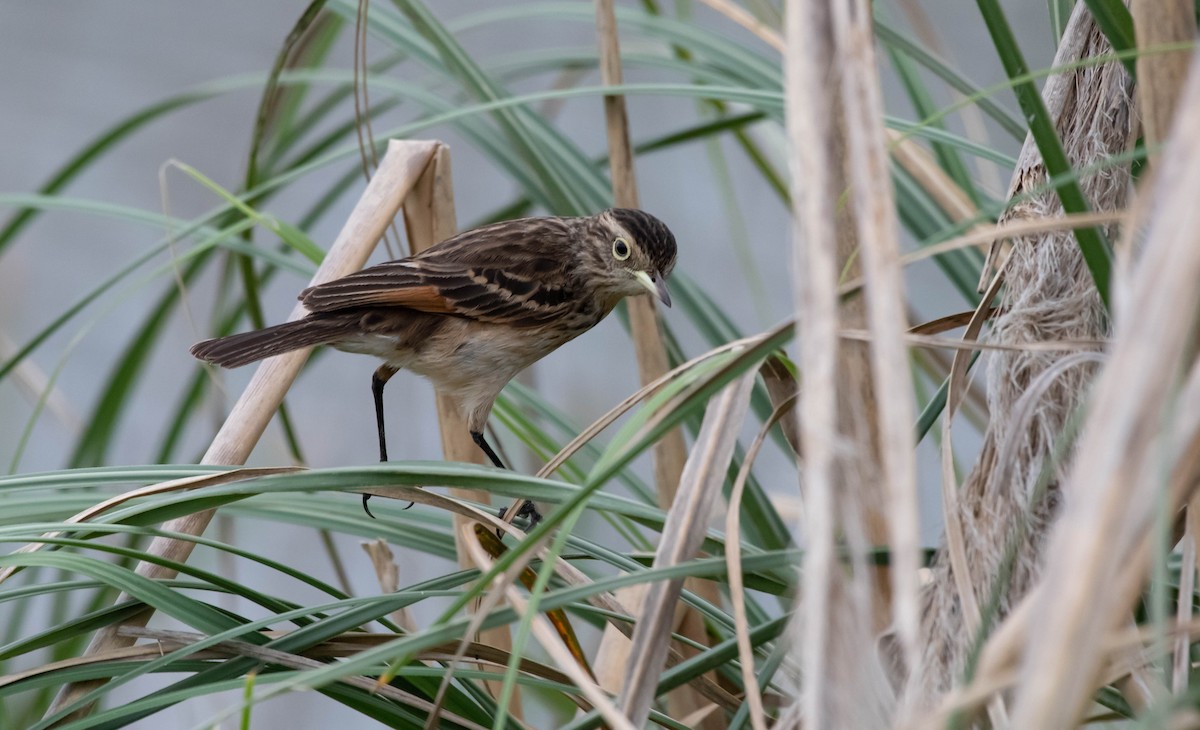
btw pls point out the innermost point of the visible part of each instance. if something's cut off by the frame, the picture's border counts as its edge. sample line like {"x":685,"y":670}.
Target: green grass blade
{"x":1092,"y":244}
{"x":1116,"y":23}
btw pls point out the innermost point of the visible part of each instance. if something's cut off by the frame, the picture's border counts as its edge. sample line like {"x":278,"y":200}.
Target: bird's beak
{"x":656,"y":284}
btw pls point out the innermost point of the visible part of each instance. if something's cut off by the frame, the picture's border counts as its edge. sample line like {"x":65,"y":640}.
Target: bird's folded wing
{"x":395,"y":283}
{"x":473,"y":282}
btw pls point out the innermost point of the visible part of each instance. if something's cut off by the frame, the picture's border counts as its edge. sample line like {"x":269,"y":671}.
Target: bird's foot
{"x":372,"y":516}
{"x":527,"y":510}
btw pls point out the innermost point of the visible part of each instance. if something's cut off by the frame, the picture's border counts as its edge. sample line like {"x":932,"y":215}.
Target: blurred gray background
{"x":73,"y":69}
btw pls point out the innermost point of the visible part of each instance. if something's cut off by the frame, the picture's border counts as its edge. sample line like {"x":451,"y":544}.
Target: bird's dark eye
{"x":620,"y":249}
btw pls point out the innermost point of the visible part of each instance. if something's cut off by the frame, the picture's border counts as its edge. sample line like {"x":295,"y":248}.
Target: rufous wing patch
{"x":347,"y":294}
{"x":421,"y":298}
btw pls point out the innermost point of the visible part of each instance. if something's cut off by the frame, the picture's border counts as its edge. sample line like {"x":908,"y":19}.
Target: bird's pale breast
{"x":472,"y":360}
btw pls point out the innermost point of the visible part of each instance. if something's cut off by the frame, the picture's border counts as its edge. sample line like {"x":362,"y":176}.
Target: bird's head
{"x":637,"y":253}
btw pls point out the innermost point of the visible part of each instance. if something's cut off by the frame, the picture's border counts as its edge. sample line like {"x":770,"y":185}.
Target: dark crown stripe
{"x":652,"y":235}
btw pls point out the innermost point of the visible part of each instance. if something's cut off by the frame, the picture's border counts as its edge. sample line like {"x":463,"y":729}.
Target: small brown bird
{"x":471,"y":312}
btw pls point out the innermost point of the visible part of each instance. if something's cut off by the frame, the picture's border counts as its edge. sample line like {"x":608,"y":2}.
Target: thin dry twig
{"x":988,"y":235}
{"x":733,"y":565}
{"x":918,"y":340}
{"x":38,"y":386}
{"x":739,"y":15}
{"x":388,"y":575}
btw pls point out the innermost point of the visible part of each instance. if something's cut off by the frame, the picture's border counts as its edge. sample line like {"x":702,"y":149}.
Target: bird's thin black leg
{"x":379,"y":379}
{"x":481,"y":442}
{"x":527,"y":508}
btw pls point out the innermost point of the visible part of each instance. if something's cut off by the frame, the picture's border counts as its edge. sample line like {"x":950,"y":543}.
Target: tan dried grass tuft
{"x":1008,"y":500}
{"x":1137,"y":458}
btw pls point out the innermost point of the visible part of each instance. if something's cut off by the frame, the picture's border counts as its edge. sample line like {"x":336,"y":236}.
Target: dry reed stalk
{"x":843,"y":604}
{"x":814,"y":209}
{"x":1160,"y":76}
{"x":1132,"y":439}
{"x":682,"y":535}
{"x":429,"y":218}
{"x":670,"y":452}
{"x":1050,"y":296}
{"x":988,"y":235}
{"x":929,"y":175}
{"x":876,"y":226}
{"x":916,"y":160}
{"x":867,"y":523}
{"x":1187,"y":590}
{"x":398,"y":172}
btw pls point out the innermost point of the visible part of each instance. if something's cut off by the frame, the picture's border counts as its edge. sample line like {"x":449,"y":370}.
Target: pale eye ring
{"x":621,"y":249}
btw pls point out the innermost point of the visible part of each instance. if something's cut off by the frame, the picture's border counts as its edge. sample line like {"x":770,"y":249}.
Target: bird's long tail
{"x":241,"y":349}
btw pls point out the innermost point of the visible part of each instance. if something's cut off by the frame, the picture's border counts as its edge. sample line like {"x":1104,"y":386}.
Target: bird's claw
{"x":527,"y":510}
{"x":372,"y":516}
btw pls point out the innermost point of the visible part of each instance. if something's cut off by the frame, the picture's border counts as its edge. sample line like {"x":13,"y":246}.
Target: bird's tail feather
{"x":241,"y":349}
